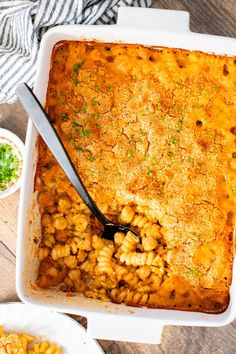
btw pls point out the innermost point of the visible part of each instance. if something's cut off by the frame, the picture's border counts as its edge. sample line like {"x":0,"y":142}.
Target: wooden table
{"x":207,"y":16}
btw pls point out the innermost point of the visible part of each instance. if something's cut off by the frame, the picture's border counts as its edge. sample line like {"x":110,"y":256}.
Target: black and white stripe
{"x":24,"y":22}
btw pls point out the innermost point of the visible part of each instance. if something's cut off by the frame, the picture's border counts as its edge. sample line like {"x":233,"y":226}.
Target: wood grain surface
{"x":207,"y":16}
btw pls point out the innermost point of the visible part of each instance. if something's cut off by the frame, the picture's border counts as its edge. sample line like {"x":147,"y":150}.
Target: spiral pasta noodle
{"x":130,"y":242}
{"x":129,"y":297}
{"x":60,"y":251}
{"x":105,"y":260}
{"x":139,"y":259}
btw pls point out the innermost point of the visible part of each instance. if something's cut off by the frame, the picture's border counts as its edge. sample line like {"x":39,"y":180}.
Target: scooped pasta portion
{"x":13,"y":343}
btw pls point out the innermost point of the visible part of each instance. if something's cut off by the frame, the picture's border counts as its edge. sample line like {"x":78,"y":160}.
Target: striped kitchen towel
{"x":24,"y":22}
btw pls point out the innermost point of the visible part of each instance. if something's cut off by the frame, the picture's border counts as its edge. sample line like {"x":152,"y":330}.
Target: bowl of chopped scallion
{"x":11,"y":160}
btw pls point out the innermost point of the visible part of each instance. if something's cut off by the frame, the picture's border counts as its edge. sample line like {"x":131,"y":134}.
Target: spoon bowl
{"x":47,"y":131}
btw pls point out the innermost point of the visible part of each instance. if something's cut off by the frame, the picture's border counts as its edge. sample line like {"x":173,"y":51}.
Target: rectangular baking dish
{"x":107,"y":320}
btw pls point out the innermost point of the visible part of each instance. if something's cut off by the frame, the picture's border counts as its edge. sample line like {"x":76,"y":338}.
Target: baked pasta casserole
{"x":152,"y":133}
{"x":13,"y":343}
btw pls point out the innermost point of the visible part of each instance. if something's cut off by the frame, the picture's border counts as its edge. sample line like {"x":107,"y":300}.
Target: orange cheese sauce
{"x":152,"y":133}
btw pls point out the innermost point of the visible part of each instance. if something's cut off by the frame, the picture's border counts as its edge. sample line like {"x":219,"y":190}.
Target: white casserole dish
{"x":107,"y":320}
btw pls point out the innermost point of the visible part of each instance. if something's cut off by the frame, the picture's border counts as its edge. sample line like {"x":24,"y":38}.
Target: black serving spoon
{"x":46,"y":129}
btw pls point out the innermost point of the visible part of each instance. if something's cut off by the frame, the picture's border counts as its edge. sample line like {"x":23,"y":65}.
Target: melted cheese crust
{"x":153,"y":128}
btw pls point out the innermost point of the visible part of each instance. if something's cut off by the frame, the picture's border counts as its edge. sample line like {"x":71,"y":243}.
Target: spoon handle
{"x":53,"y":141}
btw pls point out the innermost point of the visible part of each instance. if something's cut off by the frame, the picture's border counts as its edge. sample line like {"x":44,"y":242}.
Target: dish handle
{"x":124,"y":328}
{"x":155,"y":19}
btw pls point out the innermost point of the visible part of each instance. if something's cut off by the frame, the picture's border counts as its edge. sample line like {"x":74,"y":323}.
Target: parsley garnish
{"x":180,"y":124}
{"x":192,"y":272}
{"x":79,"y":148}
{"x":75,"y":81}
{"x":83,"y":132}
{"x":95,"y":115}
{"x":174,"y":140}
{"x":76,"y":68}
{"x":129,"y":154}
{"x":9,"y":164}
{"x":91,"y":157}
{"x":64,"y":117}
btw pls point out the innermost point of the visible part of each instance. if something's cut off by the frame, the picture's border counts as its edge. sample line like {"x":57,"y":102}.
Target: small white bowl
{"x":7,"y":137}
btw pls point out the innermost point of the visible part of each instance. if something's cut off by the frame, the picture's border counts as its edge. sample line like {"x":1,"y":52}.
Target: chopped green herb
{"x":98,"y":126}
{"x":234,"y":189}
{"x":191,"y":159}
{"x":150,"y":172}
{"x":180,"y":124}
{"x":192,"y":272}
{"x":129,"y":154}
{"x":119,"y":174}
{"x":91,"y":157}
{"x":94,"y":101}
{"x":76,"y":68}
{"x":110,"y":88}
{"x":83,"y":132}
{"x":178,"y":128}
{"x":79,"y":148}
{"x":161,"y":185}
{"x":76,"y":82}
{"x":95,"y":115}
{"x":99,"y":88}
{"x":146,"y":109}
{"x":9,"y":164}
{"x":75,"y":124}
{"x":159,"y":241}
{"x":84,"y":109}
{"x":64,"y":117}
{"x":174,"y":140}
{"x":196,"y":238}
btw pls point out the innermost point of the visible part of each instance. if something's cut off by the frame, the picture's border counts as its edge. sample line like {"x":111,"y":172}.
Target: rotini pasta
{"x":129,"y":243}
{"x":139,"y":259}
{"x":105,"y":260}
{"x":60,"y":251}
{"x":129,"y":297}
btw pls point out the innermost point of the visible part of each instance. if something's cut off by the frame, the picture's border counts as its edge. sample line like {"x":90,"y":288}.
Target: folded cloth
{"x":23,"y":23}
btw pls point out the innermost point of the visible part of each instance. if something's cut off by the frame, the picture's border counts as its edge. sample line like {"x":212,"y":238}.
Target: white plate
{"x":53,"y":326}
